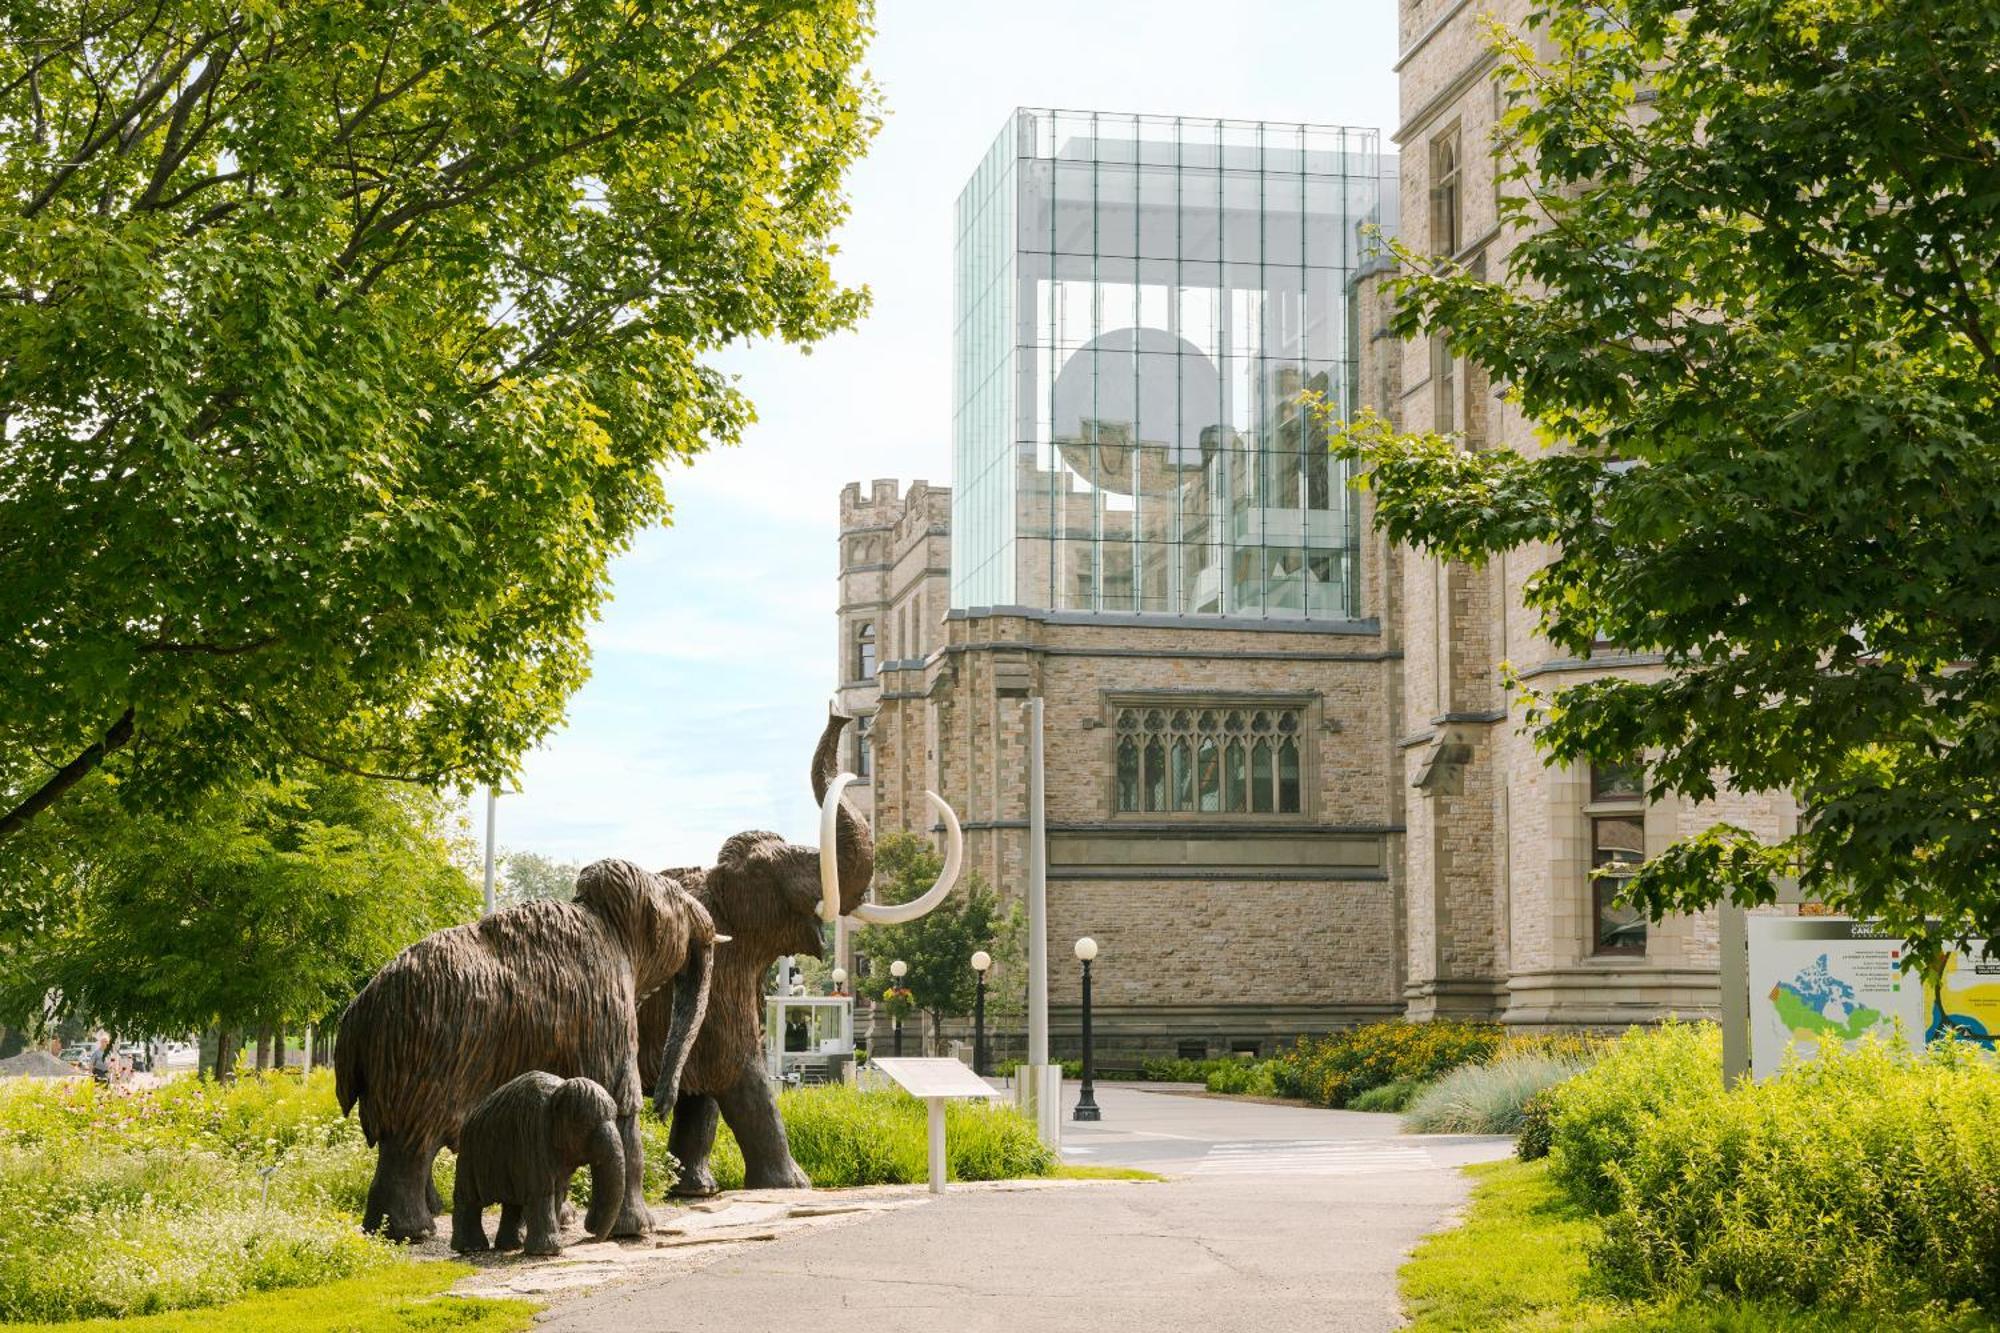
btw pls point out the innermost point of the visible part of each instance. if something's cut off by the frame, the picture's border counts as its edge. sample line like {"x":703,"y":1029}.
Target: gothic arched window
{"x":1216,"y":757}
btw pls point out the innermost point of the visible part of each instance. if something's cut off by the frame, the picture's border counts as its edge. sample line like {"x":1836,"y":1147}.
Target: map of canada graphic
{"x":1816,"y":1003}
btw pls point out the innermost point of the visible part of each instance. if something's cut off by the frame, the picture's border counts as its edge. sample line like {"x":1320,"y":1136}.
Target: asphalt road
{"x":1275,"y":1218}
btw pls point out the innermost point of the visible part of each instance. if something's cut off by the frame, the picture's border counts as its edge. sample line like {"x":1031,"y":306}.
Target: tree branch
{"x":66,"y":777}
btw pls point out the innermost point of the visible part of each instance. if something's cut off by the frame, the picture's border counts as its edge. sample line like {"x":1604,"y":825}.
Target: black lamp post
{"x":1086,"y":1102}
{"x":980,"y":962}
{"x":897,"y":971}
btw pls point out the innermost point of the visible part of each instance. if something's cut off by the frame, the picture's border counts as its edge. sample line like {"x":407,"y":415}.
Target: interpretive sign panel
{"x":936,"y":1080}
{"x":1817,"y":977}
{"x":934,"y":1077}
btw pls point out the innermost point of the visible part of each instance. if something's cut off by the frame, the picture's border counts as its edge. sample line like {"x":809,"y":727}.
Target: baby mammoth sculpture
{"x":519,"y":1148}
{"x":545,"y":985}
{"x":771,"y":897}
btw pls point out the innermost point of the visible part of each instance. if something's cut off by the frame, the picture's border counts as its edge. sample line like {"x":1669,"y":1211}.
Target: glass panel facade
{"x":1141,"y":306}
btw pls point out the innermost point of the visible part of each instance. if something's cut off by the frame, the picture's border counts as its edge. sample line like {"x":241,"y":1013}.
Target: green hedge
{"x":1864,"y":1180}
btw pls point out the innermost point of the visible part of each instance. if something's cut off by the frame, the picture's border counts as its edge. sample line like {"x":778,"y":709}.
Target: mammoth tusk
{"x":722,"y":939}
{"x":829,"y":832}
{"x":885,"y":914}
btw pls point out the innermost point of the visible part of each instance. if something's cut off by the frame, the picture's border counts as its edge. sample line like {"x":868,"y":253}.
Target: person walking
{"x":101,"y":1059}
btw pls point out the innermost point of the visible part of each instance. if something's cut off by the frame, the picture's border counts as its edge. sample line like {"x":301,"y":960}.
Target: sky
{"x":714,"y":659}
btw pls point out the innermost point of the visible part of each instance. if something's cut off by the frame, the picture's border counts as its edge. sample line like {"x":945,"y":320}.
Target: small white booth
{"x":809,"y":1039}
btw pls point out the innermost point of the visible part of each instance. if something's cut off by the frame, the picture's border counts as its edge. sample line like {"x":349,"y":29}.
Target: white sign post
{"x":936,"y":1081}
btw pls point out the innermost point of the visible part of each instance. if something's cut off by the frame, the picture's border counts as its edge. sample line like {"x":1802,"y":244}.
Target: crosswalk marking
{"x":1310,"y":1157}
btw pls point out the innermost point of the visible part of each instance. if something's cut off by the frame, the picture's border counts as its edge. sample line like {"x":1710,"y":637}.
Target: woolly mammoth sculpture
{"x":545,"y":985}
{"x":770,"y":897}
{"x":519,"y":1148}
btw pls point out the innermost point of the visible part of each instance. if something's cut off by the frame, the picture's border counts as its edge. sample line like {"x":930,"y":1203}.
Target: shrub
{"x":1601,"y":1114}
{"x":1390,"y":1097}
{"x":1248,"y":1078}
{"x":1531,"y":1141}
{"x":1333,"y":1069}
{"x":1488,"y":1098}
{"x":1867,"y":1180}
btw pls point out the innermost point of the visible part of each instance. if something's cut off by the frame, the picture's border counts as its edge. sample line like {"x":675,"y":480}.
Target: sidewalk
{"x":1277,"y":1218}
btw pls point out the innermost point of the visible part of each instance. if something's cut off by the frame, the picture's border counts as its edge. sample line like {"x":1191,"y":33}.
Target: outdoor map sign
{"x":1815,"y":977}
{"x":935,"y":1080}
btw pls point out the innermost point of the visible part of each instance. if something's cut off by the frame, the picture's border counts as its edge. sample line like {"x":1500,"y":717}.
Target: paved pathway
{"x":1276,"y":1218}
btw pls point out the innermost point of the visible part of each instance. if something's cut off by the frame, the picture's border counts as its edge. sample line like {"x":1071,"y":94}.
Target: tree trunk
{"x":263,"y":1047}
{"x":225,"y":1054}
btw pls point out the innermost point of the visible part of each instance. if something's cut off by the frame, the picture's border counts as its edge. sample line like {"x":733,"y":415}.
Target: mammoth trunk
{"x":690,"y":1000}
{"x":854,"y":843}
{"x":607,"y":1180}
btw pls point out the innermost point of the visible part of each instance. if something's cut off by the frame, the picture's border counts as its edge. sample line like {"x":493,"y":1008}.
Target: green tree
{"x":939,"y":945}
{"x":1754,"y":315}
{"x":269,"y":904}
{"x":530,"y":876}
{"x":341,"y":345}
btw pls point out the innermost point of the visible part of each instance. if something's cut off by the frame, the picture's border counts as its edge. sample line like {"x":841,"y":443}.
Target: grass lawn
{"x":403,"y":1298}
{"x":1518,"y":1262}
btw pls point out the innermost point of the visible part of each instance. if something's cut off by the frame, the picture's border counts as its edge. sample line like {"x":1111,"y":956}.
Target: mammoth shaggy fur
{"x":519,"y":1148}
{"x":544,"y":985}
{"x":764,"y":893}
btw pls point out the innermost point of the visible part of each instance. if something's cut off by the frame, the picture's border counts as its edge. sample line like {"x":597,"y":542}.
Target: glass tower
{"x":1144,"y":309}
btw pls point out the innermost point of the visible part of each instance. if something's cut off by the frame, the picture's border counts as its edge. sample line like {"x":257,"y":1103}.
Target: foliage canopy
{"x":341,"y":344}
{"x":1754,"y":309}
{"x":271,"y":902}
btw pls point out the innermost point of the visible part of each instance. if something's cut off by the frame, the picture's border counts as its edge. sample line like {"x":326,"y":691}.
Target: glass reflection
{"x":1143,"y":308}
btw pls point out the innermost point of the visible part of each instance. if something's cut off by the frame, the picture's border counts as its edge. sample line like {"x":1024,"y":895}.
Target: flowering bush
{"x":1334,"y":1069}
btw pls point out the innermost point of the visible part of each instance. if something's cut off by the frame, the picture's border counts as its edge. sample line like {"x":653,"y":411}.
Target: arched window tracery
{"x":1211,"y":758}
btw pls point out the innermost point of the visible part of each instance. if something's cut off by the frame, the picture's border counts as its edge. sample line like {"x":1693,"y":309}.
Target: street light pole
{"x":492,"y":800}
{"x":1086,"y":1102}
{"x":897,"y":971}
{"x":980,"y":962}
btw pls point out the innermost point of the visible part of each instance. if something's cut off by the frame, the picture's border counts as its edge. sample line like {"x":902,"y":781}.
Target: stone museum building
{"x":1286,"y":788}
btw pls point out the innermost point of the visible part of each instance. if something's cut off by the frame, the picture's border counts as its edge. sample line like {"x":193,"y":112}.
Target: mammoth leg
{"x":508,"y":1237}
{"x":399,"y":1200}
{"x":468,"y":1223}
{"x":751,"y":1108}
{"x":690,"y":1141}
{"x":544,"y":1237}
{"x":636,"y":1219}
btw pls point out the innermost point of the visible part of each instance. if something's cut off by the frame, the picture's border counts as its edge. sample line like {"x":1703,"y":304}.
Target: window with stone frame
{"x":1447,"y":208}
{"x":1617,"y":817}
{"x":1209,"y":757}
{"x":864,"y":746}
{"x":1444,"y":386}
{"x":864,"y":651}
